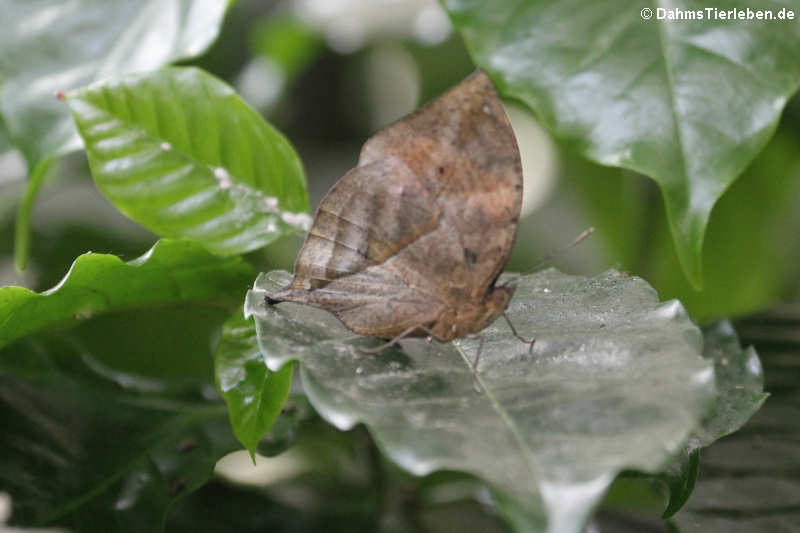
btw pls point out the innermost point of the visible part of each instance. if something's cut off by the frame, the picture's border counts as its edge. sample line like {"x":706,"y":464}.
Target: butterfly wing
{"x":370,"y":215}
{"x":424,"y":223}
{"x":462,"y":149}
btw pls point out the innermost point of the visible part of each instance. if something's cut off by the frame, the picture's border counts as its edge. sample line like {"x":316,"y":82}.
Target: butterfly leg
{"x":530,"y":341}
{"x":403,"y":335}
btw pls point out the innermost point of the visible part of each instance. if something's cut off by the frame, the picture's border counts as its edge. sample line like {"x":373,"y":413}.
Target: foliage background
{"x":328,"y":80}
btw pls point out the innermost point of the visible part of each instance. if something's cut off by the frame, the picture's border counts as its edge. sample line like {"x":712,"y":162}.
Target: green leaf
{"x":254,"y":394}
{"x":759,"y":213}
{"x":79,"y":453}
{"x":288,"y":42}
{"x":223,"y":506}
{"x":169,"y":273}
{"x":749,"y":482}
{"x":177,"y":151}
{"x":616,"y":381}
{"x":54,"y":46}
{"x":22,"y":231}
{"x":739,"y":395}
{"x":740,"y":384}
{"x":167,"y":348}
{"x":688,"y":103}
{"x":680,"y":478}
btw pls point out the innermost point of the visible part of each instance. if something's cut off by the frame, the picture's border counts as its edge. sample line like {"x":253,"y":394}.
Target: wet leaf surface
{"x":616,"y":381}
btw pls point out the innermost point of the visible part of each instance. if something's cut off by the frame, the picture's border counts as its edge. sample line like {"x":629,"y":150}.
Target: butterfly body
{"x":412,"y":240}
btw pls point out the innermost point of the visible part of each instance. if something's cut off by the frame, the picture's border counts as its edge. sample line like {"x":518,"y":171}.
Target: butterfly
{"x":411,"y":242}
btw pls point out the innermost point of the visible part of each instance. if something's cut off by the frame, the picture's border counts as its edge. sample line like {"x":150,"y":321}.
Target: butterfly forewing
{"x":423,"y":225}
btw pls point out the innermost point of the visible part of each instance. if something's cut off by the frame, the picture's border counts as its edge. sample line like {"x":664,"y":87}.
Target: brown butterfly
{"x":410,"y":243}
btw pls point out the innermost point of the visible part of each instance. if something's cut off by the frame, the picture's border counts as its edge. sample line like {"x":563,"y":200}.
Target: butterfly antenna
{"x":556,"y":253}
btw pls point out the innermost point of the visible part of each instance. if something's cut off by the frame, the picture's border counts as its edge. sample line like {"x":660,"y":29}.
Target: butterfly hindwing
{"x":368,"y":216}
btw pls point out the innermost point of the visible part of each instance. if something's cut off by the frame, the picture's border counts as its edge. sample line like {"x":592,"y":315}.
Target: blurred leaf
{"x":223,"y":507}
{"x":749,"y":480}
{"x":688,"y":103}
{"x":254,"y":394}
{"x":680,"y":477}
{"x":164,"y":350}
{"x":81,"y":445}
{"x":5,"y":142}
{"x":740,"y":384}
{"x":54,"y":46}
{"x":97,"y":459}
{"x":759,"y":213}
{"x":22,"y":233}
{"x":296,"y":413}
{"x":752,"y":244}
{"x":171,"y":272}
{"x":328,"y":492}
{"x":616,"y":381}
{"x":288,"y":42}
{"x":154,"y":349}
{"x":12,"y":173}
{"x":739,"y":395}
{"x":623,"y":209}
{"x":177,"y":151}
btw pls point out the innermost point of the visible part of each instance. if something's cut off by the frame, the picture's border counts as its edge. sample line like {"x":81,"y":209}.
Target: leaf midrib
{"x":513,"y":428}
{"x":673,"y":107}
{"x":157,"y":139}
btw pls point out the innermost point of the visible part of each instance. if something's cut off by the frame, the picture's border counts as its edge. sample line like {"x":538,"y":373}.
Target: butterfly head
{"x":495,"y":303}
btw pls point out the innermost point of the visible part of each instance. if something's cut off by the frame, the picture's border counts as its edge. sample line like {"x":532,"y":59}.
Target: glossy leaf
{"x":739,"y":395}
{"x":50,"y":46}
{"x":759,"y":213}
{"x":616,"y":381}
{"x":680,"y":478}
{"x":177,"y":151}
{"x":748,"y":481}
{"x":688,"y":103}
{"x":171,"y":272}
{"x":54,"y":46}
{"x":740,"y":384}
{"x":254,"y":394}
